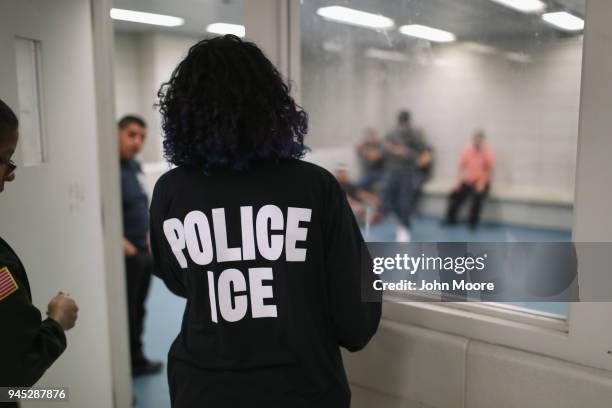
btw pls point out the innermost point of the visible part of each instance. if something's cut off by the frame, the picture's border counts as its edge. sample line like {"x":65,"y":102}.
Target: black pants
{"x":458,"y":197}
{"x":138,"y":270}
{"x":397,"y":195}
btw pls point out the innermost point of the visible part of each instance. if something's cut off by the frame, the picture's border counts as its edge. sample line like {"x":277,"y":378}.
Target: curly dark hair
{"x":226,"y":105}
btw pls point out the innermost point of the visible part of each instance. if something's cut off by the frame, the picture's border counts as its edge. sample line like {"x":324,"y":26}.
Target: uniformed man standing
{"x":29,"y":344}
{"x":138,"y":262}
{"x":408,"y":160}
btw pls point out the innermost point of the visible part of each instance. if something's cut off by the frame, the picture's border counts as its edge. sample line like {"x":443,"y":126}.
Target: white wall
{"x":411,"y":367}
{"x":142,"y":63}
{"x":528,"y":110}
{"x":343,"y":93}
{"x":128,"y":78}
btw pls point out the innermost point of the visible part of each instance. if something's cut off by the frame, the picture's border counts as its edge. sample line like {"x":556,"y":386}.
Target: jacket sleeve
{"x":348,"y":270}
{"x":29,"y":344}
{"x":165,"y":265}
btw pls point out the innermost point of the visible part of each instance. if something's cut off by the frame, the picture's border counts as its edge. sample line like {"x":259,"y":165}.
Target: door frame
{"x":110,"y":192}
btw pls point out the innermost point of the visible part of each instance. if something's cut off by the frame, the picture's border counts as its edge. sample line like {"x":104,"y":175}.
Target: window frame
{"x":497,"y":310}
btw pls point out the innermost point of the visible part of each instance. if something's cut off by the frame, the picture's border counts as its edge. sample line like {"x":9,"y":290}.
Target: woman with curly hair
{"x":263,"y":246}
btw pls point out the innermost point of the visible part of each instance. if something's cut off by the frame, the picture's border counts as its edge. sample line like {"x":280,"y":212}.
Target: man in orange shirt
{"x":475,"y":170}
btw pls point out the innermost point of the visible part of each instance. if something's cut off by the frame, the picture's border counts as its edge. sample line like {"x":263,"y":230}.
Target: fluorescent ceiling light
{"x":427,"y":33}
{"x":564,"y":21}
{"x":226,"y":28}
{"x":525,"y":6}
{"x":146,"y":18}
{"x":355,"y":17}
{"x":386,"y":55}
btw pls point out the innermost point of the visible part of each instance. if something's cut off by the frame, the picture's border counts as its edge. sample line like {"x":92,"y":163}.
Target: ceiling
{"x":197,"y":14}
{"x":470,"y":20}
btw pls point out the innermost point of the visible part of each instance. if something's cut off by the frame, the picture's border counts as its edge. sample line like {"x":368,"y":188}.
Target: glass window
{"x":484,"y":93}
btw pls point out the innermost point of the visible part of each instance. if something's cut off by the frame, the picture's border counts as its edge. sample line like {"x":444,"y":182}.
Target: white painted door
{"x":51,"y":214}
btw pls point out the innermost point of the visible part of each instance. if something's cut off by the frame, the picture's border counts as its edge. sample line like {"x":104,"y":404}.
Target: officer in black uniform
{"x":29,"y":344}
{"x":264,"y":247}
{"x":138,"y":262}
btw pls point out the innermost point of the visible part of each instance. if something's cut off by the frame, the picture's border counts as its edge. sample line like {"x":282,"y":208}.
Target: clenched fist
{"x":63,"y":310}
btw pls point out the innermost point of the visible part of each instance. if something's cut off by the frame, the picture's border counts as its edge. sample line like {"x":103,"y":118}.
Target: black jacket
{"x":29,"y":344}
{"x":270,"y":262}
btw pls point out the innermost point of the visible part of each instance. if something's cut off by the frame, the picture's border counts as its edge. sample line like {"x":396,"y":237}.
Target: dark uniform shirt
{"x":416,"y":146}
{"x":400,"y":162}
{"x":269,"y":261}
{"x":29,"y":344}
{"x":135,"y":204}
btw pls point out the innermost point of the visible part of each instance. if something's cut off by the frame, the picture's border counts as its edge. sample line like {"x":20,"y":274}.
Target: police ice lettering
{"x":263,"y":233}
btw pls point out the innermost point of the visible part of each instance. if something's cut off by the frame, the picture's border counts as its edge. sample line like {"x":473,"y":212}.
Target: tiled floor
{"x":165,"y":311}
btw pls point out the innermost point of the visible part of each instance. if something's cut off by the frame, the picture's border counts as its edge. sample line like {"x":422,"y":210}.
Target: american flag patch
{"x":7,"y":283}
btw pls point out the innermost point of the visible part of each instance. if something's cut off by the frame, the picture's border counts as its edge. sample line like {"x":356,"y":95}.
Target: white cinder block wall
{"x":411,"y":367}
{"x":529,"y":111}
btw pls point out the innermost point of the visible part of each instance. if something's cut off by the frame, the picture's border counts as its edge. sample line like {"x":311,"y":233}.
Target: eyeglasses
{"x":10,"y":164}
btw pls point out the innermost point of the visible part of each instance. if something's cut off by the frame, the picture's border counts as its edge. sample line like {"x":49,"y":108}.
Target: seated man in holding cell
{"x":371,"y":156}
{"x":358,"y":198}
{"x":475,"y":170}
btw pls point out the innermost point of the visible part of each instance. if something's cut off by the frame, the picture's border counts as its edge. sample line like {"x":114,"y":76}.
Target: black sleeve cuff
{"x":58,"y":332}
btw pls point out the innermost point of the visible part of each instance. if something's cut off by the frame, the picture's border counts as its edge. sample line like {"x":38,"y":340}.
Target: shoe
{"x":146,"y":368}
